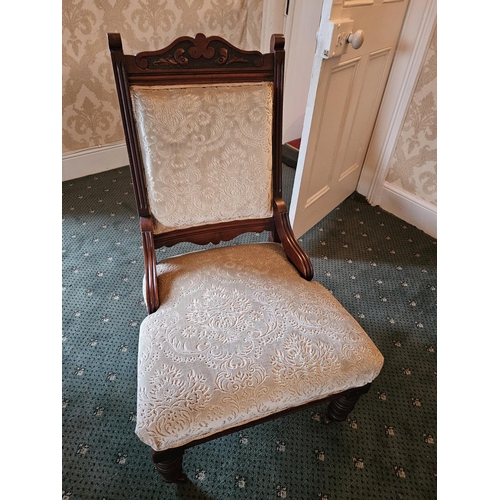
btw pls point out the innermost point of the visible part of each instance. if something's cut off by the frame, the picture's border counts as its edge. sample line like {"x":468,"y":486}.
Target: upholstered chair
{"x":235,"y":335}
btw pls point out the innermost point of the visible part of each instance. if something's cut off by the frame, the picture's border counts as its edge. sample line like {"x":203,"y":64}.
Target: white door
{"x":344,"y":97}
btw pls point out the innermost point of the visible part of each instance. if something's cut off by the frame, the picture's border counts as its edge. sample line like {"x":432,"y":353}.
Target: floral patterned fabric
{"x":240,"y":335}
{"x":413,"y":165}
{"x":206,"y":152}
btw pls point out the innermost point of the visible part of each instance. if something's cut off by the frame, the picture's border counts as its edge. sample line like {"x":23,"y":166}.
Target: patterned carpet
{"x":380,"y":268}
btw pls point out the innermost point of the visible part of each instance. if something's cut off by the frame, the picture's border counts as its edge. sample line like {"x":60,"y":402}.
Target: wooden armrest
{"x":295,"y":253}
{"x":152,"y":292}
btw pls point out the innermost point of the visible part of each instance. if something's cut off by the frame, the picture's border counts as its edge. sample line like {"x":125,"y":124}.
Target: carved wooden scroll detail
{"x":199,"y":52}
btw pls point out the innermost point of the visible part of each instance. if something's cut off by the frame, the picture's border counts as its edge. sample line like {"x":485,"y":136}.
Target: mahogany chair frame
{"x":211,"y":60}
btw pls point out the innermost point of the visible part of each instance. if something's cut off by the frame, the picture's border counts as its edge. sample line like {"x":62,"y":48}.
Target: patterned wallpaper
{"x":90,"y":112}
{"x":413,"y":166}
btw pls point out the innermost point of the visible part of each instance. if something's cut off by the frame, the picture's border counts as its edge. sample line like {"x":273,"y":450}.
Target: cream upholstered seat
{"x":235,"y":335}
{"x":240,"y":335}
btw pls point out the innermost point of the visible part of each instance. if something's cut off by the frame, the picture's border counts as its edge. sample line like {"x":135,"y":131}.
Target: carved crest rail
{"x":199,"y":52}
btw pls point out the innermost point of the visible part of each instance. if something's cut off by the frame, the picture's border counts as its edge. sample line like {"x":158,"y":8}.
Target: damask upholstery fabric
{"x":240,"y":335}
{"x":206,"y":152}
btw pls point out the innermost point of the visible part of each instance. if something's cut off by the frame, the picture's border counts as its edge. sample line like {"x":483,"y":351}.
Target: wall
{"x":413,"y":164}
{"x":302,"y":24}
{"x":90,"y":112}
{"x":399,"y":171}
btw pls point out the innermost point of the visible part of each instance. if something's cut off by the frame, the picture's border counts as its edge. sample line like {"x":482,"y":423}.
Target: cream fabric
{"x":206,"y":152}
{"x":240,"y":335}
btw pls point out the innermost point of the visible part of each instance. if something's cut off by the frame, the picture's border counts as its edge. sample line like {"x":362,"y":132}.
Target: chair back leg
{"x":168,"y":463}
{"x":339,"y":408}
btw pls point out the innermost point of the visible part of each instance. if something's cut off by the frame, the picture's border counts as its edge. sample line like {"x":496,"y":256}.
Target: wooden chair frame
{"x":211,"y":60}
{"x":203,"y":60}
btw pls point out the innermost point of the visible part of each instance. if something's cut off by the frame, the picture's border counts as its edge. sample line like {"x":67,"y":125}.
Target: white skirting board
{"x":409,"y":208}
{"x":94,"y":160}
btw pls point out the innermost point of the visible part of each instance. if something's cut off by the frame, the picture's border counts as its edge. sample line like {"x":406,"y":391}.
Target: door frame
{"x":412,"y":47}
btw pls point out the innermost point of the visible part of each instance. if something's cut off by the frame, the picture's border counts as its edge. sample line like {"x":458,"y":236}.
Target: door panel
{"x":344,"y":97}
{"x":329,"y":129}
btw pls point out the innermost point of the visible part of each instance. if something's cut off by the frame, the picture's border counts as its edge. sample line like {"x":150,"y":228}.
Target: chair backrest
{"x":202,"y":122}
{"x":206,"y":151}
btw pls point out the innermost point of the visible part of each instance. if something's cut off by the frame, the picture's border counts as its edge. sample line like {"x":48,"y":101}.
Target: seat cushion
{"x":240,"y":335}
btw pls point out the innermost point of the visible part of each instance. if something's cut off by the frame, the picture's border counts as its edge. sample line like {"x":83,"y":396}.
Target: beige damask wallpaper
{"x":90,"y":112}
{"x":413,"y":166}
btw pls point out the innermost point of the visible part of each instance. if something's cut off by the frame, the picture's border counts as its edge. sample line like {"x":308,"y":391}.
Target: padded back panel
{"x":206,"y":151}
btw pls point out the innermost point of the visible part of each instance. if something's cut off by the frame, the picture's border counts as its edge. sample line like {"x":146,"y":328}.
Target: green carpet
{"x":380,"y":268}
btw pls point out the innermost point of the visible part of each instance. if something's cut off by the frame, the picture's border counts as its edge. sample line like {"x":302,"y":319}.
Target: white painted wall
{"x":301,"y":26}
{"x":273,"y":21}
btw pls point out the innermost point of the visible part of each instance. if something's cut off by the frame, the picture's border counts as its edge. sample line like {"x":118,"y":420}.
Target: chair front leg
{"x":340,"y":407}
{"x":168,"y":463}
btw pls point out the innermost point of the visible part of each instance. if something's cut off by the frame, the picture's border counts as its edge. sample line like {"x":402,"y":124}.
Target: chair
{"x":235,"y":335}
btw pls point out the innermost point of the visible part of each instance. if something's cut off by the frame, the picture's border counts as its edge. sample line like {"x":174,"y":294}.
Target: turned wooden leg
{"x":168,"y":463}
{"x":340,"y":407}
